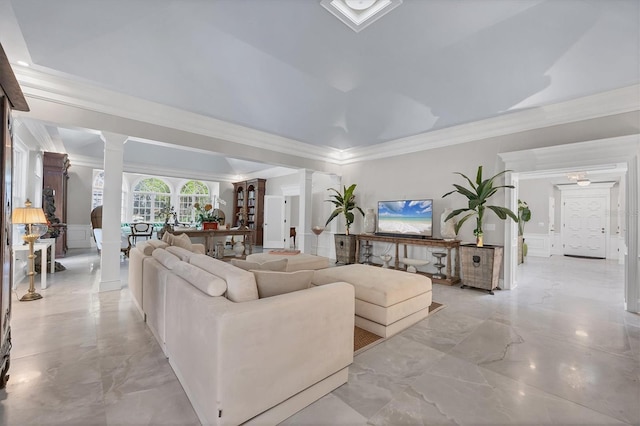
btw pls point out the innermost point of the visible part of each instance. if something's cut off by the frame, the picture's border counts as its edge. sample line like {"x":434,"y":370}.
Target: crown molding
{"x":146,"y":169}
{"x":64,"y":90}
{"x":617,"y":101}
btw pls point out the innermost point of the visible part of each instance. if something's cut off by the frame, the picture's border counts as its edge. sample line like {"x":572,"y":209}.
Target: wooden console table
{"x":209,"y":234}
{"x":453,"y":274}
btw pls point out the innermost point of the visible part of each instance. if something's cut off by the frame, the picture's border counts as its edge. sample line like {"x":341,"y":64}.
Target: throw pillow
{"x":145,"y":248}
{"x":241,"y":285}
{"x":183,"y":241}
{"x":279,"y":265}
{"x":202,"y":280}
{"x":272,"y":283}
{"x":167,"y":238}
{"x":158,"y":243}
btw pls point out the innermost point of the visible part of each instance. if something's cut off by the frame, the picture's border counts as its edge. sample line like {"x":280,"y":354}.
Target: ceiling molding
{"x":617,"y":101}
{"x":63,"y":90}
{"x":42,"y":136}
{"x":146,"y":169}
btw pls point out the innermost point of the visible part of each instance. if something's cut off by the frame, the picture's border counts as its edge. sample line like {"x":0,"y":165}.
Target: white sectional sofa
{"x":241,"y":358}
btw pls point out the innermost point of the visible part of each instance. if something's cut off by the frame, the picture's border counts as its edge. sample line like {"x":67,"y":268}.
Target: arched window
{"x":97,"y":193}
{"x":192,"y":192}
{"x":150,"y":197}
{"x":97,"y":189}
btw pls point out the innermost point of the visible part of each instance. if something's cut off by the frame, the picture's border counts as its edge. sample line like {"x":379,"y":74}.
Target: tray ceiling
{"x":289,"y":68}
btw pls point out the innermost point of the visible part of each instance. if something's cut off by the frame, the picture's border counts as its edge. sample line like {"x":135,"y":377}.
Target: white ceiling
{"x":290,"y":68}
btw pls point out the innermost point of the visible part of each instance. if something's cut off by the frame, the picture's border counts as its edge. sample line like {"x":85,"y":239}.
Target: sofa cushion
{"x":158,"y":243}
{"x":297,"y":262}
{"x":167,"y":237}
{"x":182,"y":240}
{"x":272,"y":283}
{"x":165,"y":258}
{"x":145,"y":247}
{"x":182,"y":253}
{"x":279,"y":265}
{"x":201,"y":279}
{"x":241,"y":284}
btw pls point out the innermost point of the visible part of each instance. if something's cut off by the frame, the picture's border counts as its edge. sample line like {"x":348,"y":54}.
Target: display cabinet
{"x":11,"y":97}
{"x":248,"y":206}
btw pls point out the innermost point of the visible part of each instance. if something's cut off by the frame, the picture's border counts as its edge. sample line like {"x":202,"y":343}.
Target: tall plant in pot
{"x":345,"y":205}
{"x":480,"y":265}
{"x":478,"y":194}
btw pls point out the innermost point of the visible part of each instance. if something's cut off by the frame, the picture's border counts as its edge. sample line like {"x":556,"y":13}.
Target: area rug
{"x":285,"y":252}
{"x":363,"y":339}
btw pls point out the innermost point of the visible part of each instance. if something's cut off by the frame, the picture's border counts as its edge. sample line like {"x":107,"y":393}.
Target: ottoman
{"x":387,"y":300}
{"x":296,"y":262}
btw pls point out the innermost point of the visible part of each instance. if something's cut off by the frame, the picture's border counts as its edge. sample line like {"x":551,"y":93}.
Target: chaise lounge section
{"x":387,"y":300}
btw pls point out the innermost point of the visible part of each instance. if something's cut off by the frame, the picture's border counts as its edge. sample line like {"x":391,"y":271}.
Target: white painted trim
{"x":538,"y":245}
{"x":61,"y":90}
{"x":556,"y":244}
{"x":79,"y":236}
{"x":599,"y":105}
{"x":623,"y":150}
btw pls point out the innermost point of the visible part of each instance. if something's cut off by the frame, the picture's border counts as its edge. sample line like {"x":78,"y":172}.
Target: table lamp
{"x":35,"y":226}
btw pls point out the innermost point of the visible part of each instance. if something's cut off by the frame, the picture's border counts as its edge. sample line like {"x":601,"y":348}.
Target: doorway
{"x":619,"y":155}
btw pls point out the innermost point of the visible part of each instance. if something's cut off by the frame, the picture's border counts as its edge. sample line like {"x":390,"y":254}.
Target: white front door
{"x":584,"y":224}
{"x":274,"y":221}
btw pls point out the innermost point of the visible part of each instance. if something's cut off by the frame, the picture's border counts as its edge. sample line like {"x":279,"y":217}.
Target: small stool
{"x":412,"y":264}
{"x":366,"y":253}
{"x":439,"y":265}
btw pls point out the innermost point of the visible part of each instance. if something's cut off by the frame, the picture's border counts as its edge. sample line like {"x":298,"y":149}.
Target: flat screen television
{"x":408,"y":218}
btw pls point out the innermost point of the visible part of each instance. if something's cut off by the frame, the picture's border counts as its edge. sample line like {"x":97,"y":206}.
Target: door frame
{"x":620,"y":154}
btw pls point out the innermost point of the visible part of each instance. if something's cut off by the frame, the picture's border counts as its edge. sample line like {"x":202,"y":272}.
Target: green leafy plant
{"x":206,"y":213}
{"x":524,"y":216}
{"x":477,"y":195}
{"x":345,"y":204}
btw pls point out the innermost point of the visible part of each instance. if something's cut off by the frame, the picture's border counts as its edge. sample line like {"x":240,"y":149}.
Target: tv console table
{"x":451,"y":279}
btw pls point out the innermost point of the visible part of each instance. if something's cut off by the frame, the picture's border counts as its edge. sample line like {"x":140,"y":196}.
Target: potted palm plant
{"x":524,"y":216}
{"x":345,"y":205}
{"x":480,"y":264}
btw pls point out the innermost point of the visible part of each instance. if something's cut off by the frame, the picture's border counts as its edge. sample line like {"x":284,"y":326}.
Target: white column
{"x":111,"y":206}
{"x":305,"y":238}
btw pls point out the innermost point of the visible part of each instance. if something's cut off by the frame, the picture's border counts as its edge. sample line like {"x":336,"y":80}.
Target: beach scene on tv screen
{"x":405,"y":217}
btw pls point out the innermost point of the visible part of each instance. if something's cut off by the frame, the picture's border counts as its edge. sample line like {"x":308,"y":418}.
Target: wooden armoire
{"x":55,"y":175}
{"x":248,"y":205}
{"x":11,"y":97}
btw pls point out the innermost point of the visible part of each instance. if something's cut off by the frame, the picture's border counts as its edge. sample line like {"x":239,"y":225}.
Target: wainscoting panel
{"x":79,"y":236}
{"x":539,"y":245}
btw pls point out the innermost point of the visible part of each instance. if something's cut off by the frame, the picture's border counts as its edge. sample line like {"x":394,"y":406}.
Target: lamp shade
{"x":28,"y":214}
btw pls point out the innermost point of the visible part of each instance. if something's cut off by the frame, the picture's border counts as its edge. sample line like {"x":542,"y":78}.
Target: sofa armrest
{"x":244,"y":358}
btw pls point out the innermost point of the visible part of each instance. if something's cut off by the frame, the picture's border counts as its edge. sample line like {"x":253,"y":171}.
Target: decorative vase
{"x":369,"y":222}
{"x":238,"y":248}
{"x":209,"y":225}
{"x":448,"y":228}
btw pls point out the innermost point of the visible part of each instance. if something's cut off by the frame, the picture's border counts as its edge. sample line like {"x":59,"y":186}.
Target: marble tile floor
{"x":559,"y":349}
